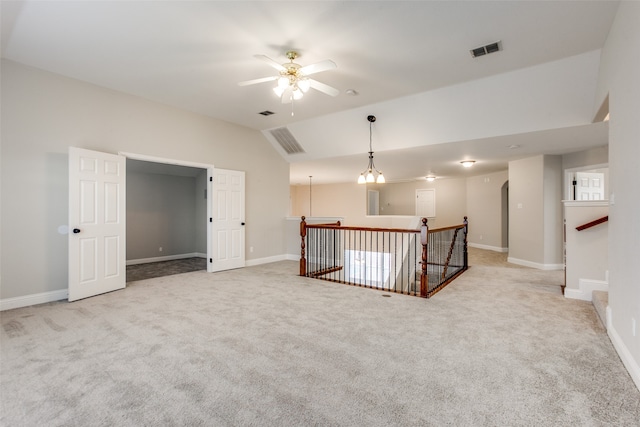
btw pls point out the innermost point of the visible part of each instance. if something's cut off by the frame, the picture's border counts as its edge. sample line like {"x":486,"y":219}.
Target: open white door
{"x":228,"y":219}
{"x":97,"y":214}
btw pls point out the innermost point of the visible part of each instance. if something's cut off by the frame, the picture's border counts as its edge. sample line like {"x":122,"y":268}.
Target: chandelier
{"x":367,"y":176}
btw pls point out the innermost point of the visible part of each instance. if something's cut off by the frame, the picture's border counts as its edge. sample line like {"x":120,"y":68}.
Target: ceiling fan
{"x":293,"y":80}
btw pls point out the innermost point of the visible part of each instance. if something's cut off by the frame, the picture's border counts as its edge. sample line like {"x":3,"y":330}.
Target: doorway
{"x":166,"y":218}
{"x":97,"y":219}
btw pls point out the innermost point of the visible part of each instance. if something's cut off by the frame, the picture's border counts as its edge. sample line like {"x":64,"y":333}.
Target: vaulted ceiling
{"x":408,"y":63}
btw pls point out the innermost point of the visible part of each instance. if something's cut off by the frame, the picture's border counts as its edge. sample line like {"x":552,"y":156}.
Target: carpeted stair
{"x":600,"y":301}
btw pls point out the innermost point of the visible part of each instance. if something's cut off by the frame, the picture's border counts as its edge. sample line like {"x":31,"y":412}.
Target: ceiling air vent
{"x":287,"y":141}
{"x":485,"y":50}
{"x":266,"y":113}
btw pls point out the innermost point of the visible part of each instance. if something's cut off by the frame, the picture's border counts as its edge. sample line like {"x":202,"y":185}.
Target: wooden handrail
{"x":593,"y":223}
{"x":396,"y":230}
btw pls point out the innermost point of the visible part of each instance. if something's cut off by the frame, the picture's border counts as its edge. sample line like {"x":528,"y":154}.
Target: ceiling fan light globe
{"x":283,"y":82}
{"x":297,"y":94}
{"x":304,"y":85}
{"x":278,"y":91}
{"x":380,"y":179}
{"x":362,"y":179}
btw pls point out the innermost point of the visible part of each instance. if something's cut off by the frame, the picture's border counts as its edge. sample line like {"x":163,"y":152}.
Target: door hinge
{"x":210,"y":260}
{"x":211,"y":179}
{"x":210,"y":219}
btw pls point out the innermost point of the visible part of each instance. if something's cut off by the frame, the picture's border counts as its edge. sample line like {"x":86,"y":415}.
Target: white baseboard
{"x":27,"y":300}
{"x":585,"y":289}
{"x":266,"y":260}
{"x":532,"y":264}
{"x":625,"y":355}
{"x":487,"y":247}
{"x":165,"y":258}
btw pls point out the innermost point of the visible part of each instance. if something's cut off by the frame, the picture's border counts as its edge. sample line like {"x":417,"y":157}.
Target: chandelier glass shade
{"x":371,"y":174}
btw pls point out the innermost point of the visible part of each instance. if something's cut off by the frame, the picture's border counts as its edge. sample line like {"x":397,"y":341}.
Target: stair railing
{"x":414,"y":262}
{"x":593,"y":223}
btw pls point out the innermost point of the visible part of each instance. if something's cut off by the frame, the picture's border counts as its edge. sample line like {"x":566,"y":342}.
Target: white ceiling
{"x":192,"y":54}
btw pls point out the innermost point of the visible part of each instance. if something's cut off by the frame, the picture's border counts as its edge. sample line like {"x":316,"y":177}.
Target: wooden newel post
{"x":424,"y":240}
{"x":466,"y":254}
{"x":303,"y":260}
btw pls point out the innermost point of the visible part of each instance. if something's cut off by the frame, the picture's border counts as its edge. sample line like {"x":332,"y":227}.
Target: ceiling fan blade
{"x":255,"y":81}
{"x":271,"y":62}
{"x":318,"y":67}
{"x":331,"y":91}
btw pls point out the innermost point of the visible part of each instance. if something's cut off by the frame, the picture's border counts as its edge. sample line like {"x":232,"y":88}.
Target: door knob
{"x":76,"y":230}
{"x":242,"y":223}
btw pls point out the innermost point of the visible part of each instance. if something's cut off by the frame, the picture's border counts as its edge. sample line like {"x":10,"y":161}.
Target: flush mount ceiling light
{"x":368,"y":174}
{"x":467,"y":163}
{"x":430,"y":178}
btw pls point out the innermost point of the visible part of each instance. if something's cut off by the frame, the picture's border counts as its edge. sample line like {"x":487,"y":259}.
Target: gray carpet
{"x":164,"y":268}
{"x":261,"y":346}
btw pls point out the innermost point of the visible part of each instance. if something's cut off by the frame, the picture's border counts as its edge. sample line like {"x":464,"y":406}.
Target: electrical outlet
{"x":250,"y":248}
{"x":481,"y":237}
{"x":160,"y":249}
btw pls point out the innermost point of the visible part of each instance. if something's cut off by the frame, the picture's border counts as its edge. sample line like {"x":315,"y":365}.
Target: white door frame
{"x":209,"y":168}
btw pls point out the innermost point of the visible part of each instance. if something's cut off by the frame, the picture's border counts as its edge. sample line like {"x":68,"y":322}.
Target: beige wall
{"x":484,"y":207}
{"x":618,"y":79}
{"x":349,"y":201}
{"x":526,"y":225}
{"x":553,"y":211}
{"x":593,"y":156}
{"x":587,"y":255}
{"x":43,"y":114}
{"x":161,"y":212}
{"x":400,"y":199}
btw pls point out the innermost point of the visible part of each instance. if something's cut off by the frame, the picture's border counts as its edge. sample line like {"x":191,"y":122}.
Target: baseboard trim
{"x":531,"y":264}
{"x":34,"y":299}
{"x":487,"y":247}
{"x":625,"y":355}
{"x":165,"y":258}
{"x":585,"y":289}
{"x":266,"y":260}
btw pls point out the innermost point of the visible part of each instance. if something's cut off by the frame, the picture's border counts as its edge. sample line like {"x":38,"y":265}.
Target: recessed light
{"x":513,"y":146}
{"x":467,"y":163}
{"x":351,"y":92}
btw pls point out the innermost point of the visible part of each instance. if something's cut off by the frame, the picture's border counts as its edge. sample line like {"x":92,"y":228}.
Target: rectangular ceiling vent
{"x":287,"y":141}
{"x":485,"y":50}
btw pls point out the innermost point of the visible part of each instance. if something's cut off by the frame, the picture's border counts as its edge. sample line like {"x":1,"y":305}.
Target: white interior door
{"x":228,"y":219}
{"x":426,"y":203}
{"x":589,"y":186}
{"x":97,"y":214}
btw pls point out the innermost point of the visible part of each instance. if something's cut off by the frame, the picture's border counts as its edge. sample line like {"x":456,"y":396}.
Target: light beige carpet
{"x":260,"y":346}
